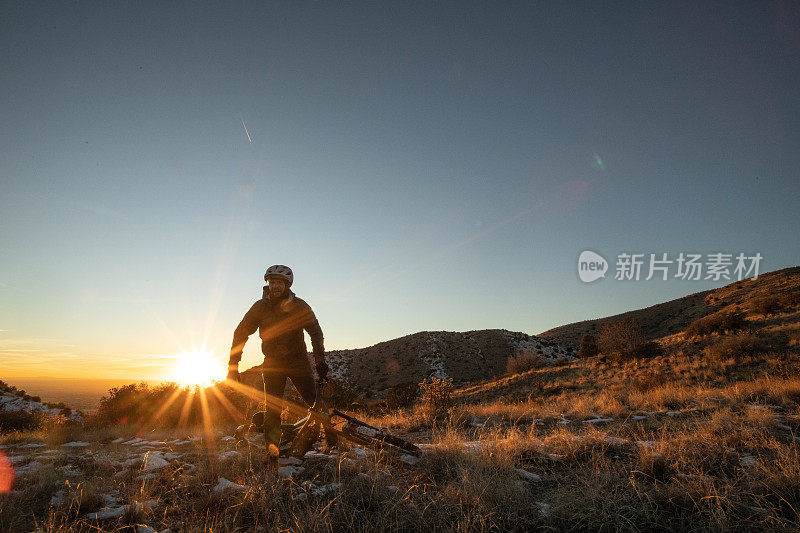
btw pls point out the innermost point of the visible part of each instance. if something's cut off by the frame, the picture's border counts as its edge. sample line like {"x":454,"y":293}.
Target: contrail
{"x":247,"y":132}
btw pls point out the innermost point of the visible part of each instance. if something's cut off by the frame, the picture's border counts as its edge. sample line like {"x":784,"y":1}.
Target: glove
{"x":233,"y":375}
{"x":322,"y":369}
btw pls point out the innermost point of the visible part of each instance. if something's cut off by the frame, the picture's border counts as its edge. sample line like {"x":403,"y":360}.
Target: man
{"x":280,"y":317}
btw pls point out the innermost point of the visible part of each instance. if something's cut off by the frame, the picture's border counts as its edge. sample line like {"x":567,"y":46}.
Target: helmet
{"x":281,"y":272}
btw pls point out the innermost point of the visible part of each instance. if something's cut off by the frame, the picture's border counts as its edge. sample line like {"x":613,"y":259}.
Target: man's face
{"x":276,"y":287}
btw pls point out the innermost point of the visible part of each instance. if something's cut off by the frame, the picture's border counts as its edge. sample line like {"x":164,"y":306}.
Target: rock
{"x":284,"y":461}
{"x":528,"y":476}
{"x":289,"y":471}
{"x":226,"y":456}
{"x":409,"y":459}
{"x":108,"y":513}
{"x":75,"y":444}
{"x":223,"y":485}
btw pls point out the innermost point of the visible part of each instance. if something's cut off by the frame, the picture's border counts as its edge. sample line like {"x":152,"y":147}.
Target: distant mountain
{"x":669,"y":318}
{"x":461,"y":356}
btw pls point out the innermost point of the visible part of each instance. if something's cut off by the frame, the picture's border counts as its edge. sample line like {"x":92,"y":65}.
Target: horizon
{"x":419,"y":167}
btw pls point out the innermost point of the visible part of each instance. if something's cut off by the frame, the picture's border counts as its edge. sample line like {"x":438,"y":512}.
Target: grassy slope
{"x":672,"y":317}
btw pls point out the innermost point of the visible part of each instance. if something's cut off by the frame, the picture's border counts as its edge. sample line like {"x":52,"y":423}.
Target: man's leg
{"x":303,"y":381}
{"x":274,"y":384}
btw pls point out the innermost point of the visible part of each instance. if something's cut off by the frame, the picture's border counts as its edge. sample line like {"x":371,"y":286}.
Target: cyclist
{"x":280,"y":317}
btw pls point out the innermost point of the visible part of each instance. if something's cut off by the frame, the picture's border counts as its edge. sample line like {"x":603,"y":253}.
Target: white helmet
{"x":281,"y":272}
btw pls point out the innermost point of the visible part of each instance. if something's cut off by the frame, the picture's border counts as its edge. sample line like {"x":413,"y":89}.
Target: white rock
{"x":153,"y":461}
{"x":289,"y":471}
{"x":639,"y":417}
{"x":615,"y":440}
{"x":544,"y":509}
{"x":32,"y":445}
{"x":325,"y":489}
{"x":748,"y":461}
{"x":674,"y":413}
{"x":108,"y":513}
{"x":59,"y":498}
{"x":225,"y":456}
{"x":409,"y":459}
{"x":528,"y":476}
{"x":117,"y":440}
{"x":315,"y":455}
{"x":29,"y":468}
{"x":598,"y":420}
{"x":227,"y":438}
{"x":223,"y":485}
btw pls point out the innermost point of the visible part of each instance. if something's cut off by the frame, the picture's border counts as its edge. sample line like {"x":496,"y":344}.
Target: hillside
{"x":664,"y":319}
{"x":461,"y":356}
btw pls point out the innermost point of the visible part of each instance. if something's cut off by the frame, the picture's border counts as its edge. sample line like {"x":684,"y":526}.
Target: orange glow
{"x":6,"y":474}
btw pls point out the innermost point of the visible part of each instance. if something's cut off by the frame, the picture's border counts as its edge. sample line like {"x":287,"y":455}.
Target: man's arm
{"x":246,"y":327}
{"x":317,"y":342}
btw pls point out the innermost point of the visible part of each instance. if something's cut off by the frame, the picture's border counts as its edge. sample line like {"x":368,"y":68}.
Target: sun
{"x":197,"y":368}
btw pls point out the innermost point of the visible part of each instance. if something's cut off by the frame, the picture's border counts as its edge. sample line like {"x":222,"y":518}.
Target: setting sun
{"x":197,"y":368}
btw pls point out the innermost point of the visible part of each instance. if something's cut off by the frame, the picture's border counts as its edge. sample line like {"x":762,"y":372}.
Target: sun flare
{"x":197,"y":368}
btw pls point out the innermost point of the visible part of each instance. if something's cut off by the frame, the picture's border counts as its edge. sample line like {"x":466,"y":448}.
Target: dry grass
{"x":686,"y":444}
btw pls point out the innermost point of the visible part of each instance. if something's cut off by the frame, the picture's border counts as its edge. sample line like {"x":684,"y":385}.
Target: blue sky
{"x":423,"y":166}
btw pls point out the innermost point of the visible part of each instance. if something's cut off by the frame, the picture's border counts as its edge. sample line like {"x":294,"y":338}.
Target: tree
{"x":621,"y":337}
{"x":588,"y":346}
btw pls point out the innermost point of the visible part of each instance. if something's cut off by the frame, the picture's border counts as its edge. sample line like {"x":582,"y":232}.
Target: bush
{"x":436,"y":396}
{"x":524,"y":361}
{"x":719,"y":322}
{"x":340,"y":394}
{"x":19,"y":420}
{"x":169,"y":405}
{"x":621,"y":337}
{"x":402,"y":395}
{"x":588,"y":346}
{"x":736,"y":348}
{"x":767,"y":305}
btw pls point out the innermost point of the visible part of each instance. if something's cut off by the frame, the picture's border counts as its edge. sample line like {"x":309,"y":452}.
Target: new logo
{"x":591,"y":266}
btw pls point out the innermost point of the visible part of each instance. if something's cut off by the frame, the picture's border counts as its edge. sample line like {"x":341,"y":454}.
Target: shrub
{"x":719,"y":322}
{"x":588,"y":346}
{"x":340,"y":394}
{"x":735,"y":348}
{"x":169,"y":405}
{"x":620,"y":337}
{"x":524,"y":361}
{"x":19,"y":420}
{"x":767,"y":305}
{"x":402,"y":395}
{"x":436,"y":396}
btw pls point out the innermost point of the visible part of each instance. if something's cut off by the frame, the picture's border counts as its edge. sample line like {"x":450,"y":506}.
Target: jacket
{"x":280,"y":323}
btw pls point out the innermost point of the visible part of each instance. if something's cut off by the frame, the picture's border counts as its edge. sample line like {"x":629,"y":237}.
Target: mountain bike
{"x":300,"y":437}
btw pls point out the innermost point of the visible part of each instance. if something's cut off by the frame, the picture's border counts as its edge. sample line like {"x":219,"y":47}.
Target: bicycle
{"x":300,"y":437}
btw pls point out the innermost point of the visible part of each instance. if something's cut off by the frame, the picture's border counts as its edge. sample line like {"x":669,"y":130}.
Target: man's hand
{"x":322,"y":368}
{"x":233,"y":374}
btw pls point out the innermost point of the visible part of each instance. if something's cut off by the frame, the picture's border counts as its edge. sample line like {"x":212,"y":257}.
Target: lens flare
{"x":6,"y":474}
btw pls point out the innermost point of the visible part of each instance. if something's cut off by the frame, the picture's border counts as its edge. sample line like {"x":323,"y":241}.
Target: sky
{"x":420,"y":166}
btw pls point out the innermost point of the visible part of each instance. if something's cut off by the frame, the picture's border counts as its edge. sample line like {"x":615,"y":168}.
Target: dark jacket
{"x":280,"y":324}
